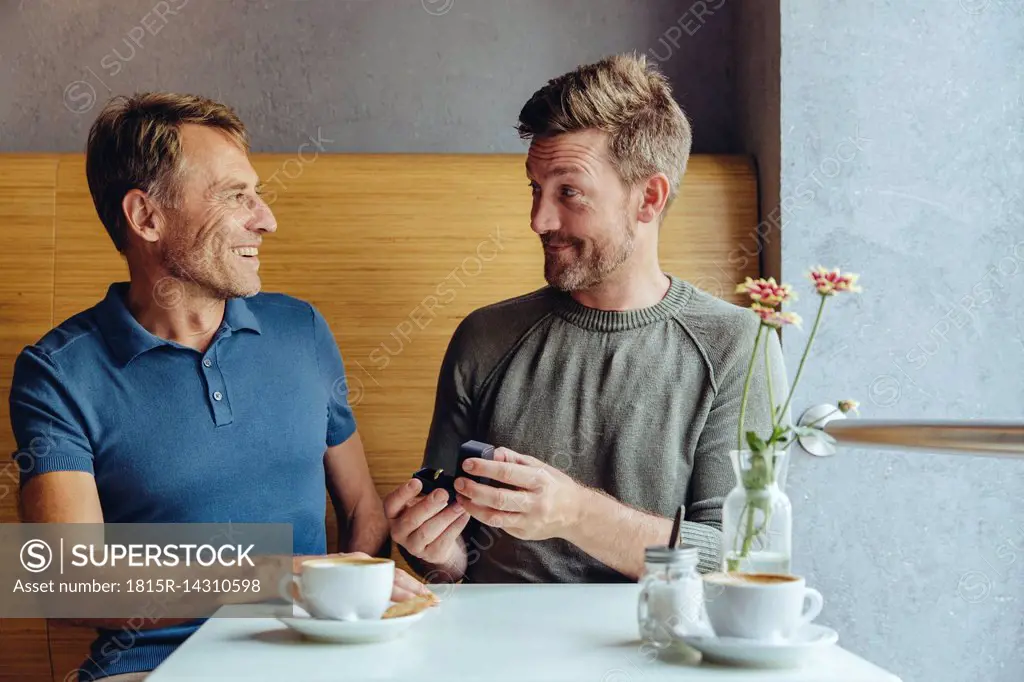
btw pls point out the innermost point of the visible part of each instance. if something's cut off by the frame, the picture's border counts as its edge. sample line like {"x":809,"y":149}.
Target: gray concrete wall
{"x":374,"y":75}
{"x":920,"y":556}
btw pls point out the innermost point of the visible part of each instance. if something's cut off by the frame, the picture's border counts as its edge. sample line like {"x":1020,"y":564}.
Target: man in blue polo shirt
{"x":185,"y":395}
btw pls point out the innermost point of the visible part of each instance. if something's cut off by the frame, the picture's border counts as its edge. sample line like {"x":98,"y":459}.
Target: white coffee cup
{"x":761,"y":606}
{"x":342,"y":588}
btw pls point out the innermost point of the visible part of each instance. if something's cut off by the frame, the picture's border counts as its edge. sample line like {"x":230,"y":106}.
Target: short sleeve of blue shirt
{"x":341,"y":423}
{"x":47,"y":426}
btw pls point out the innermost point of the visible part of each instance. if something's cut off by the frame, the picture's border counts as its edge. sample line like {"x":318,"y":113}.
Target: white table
{"x":518,"y":633}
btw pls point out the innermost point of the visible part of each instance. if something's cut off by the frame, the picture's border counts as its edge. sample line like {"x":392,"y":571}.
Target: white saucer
{"x":809,"y":640}
{"x":349,"y":632}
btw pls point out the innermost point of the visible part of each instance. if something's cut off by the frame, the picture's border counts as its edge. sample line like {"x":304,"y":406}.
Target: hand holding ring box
{"x":434,"y":479}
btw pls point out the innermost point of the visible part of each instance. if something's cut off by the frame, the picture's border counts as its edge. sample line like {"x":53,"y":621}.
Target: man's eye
{"x":569,"y":192}
{"x":534,"y":187}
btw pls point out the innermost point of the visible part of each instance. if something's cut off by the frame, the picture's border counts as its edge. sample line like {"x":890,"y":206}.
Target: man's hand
{"x":545,"y":504}
{"x":405,"y":586}
{"x":426,"y":526}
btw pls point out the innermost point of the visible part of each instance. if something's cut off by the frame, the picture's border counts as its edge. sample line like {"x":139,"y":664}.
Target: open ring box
{"x":434,"y":479}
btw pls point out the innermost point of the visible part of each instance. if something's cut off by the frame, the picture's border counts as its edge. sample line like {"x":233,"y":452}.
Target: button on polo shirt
{"x":172,"y":435}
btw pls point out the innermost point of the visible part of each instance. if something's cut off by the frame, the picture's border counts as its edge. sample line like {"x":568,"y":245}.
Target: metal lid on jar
{"x":681,"y":554}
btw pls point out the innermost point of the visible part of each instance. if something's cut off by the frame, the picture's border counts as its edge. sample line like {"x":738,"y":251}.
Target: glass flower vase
{"x":757,"y":517}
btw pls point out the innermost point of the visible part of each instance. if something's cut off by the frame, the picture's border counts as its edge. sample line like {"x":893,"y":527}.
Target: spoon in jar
{"x":673,"y":539}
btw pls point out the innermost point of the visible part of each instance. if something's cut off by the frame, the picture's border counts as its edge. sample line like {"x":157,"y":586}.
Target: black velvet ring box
{"x":434,"y":479}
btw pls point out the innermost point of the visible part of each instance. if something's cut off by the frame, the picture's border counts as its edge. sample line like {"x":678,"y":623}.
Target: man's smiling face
{"x":219,"y":220}
{"x":580,"y":209}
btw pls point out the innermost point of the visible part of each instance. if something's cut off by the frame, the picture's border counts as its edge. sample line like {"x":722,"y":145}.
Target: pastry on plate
{"x":411,"y":606}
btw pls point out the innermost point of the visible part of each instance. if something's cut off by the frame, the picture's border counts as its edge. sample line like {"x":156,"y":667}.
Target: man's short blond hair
{"x":135,"y":143}
{"x":629,"y":99}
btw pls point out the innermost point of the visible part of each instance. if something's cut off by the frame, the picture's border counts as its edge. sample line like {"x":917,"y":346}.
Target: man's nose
{"x":545,"y":217}
{"x":263,"y":218}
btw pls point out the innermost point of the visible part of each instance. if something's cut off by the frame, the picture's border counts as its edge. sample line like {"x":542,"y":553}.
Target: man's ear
{"x":654,"y":198}
{"x":145,"y":220}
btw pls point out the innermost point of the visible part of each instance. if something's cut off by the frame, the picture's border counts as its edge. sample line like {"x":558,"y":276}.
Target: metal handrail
{"x":981,"y":438}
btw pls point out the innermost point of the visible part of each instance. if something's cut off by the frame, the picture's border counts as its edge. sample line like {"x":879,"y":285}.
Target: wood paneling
{"x":86,"y":261}
{"x":393,"y":249}
{"x":26,"y":286}
{"x":69,"y":646}
{"x":26,"y":295}
{"x":24,"y":653}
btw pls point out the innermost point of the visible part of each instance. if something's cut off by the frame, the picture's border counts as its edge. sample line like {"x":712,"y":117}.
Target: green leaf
{"x":810,"y":431}
{"x":756,"y":444}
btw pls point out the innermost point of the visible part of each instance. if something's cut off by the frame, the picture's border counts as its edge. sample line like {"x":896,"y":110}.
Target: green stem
{"x":767,"y":510}
{"x":834,"y":410}
{"x":748,"y":536}
{"x":803,"y":359}
{"x":735,"y":540}
{"x":746,"y":385}
{"x":768,"y":378}
{"x":751,"y":532}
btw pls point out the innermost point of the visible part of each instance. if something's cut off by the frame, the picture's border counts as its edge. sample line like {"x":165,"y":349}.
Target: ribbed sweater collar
{"x":621,"y":320}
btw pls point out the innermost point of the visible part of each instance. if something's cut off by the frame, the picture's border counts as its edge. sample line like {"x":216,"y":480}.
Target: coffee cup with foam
{"x":759,"y":606}
{"x":342,"y":588}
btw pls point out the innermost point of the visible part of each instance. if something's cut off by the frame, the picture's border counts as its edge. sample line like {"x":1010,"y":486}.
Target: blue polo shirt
{"x":172,"y":435}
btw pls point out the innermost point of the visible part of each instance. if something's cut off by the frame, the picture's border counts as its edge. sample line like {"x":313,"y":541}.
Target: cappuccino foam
{"x":751,"y":578}
{"x":346,"y":561}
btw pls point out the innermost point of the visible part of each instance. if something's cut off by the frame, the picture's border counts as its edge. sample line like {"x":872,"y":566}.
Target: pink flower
{"x":830,"y":283}
{"x":766,"y":291}
{"x":773,"y":318}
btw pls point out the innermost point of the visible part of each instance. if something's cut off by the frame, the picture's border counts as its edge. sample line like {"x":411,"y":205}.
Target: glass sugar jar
{"x":671,"y":602}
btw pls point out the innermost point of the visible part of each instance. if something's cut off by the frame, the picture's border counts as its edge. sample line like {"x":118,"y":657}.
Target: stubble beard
{"x":205,"y":271}
{"x":587,"y":271}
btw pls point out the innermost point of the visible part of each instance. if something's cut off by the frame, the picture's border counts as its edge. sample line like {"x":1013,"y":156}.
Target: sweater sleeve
{"x":712,"y":476}
{"x":453,"y":421}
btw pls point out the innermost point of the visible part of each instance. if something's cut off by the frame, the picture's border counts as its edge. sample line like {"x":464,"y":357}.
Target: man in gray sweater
{"x":614,"y":393}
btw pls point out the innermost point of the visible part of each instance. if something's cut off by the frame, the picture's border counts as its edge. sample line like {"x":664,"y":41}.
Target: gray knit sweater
{"x":643,"y":404}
